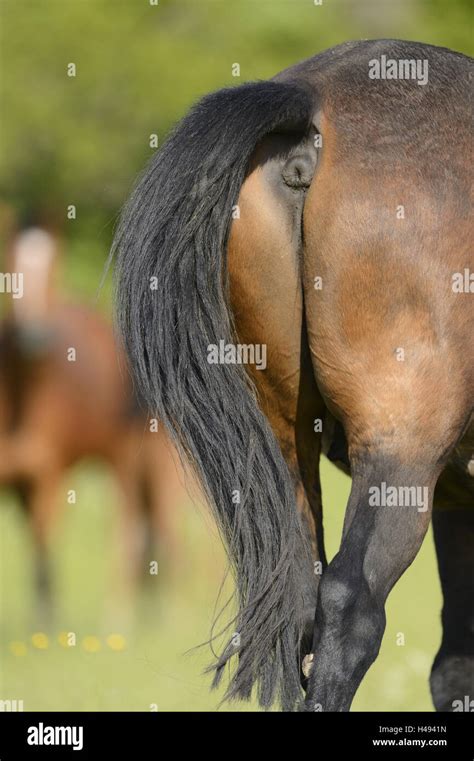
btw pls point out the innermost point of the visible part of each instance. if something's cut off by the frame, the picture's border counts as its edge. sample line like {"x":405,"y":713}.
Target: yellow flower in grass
{"x":116,"y":642}
{"x":18,"y":648}
{"x":40,"y":641}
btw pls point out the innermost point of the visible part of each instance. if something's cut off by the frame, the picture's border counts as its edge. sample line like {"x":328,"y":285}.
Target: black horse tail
{"x":173,"y":304}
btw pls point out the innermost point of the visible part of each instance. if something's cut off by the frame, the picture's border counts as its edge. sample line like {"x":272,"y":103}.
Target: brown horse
{"x":289,"y":275}
{"x":64,"y":396}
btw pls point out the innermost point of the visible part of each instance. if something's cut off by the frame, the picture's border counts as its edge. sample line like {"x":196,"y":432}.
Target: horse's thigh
{"x":265,"y":288}
{"x":267,"y":303}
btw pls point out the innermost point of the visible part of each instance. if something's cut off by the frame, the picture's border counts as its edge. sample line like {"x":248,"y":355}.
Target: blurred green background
{"x":81,"y":140}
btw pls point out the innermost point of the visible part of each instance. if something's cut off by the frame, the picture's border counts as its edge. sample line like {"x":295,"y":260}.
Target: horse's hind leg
{"x":379,"y":544}
{"x":391,"y":348}
{"x":452,"y":676}
{"x":267,"y":303}
{"x":398,"y":432}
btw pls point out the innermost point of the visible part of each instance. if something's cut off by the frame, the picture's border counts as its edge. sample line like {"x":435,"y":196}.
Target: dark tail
{"x":173,"y":303}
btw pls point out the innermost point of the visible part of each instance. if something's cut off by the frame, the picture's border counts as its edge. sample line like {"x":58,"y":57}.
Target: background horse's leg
{"x":452,"y":676}
{"x":42,"y":508}
{"x":163,"y":491}
{"x":267,"y":303}
{"x":126,"y":464}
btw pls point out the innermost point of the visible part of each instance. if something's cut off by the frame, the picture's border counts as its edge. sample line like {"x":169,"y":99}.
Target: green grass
{"x":175,"y":615}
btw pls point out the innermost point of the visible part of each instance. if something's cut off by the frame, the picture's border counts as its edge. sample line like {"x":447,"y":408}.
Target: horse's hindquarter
{"x":366,"y":289}
{"x":387,"y":229}
{"x":385,"y":235}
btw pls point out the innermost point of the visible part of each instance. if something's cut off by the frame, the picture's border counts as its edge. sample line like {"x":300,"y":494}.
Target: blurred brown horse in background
{"x":64,"y":396}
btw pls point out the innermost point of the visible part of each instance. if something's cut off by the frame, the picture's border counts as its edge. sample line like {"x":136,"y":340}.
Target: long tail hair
{"x":172,"y":304}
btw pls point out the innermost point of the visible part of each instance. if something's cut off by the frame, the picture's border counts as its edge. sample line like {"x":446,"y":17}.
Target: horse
{"x":65,"y":396}
{"x":320,"y":217}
